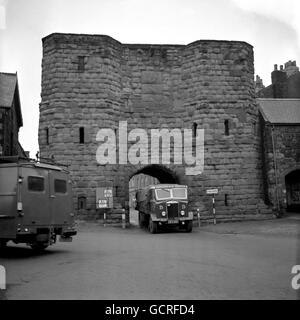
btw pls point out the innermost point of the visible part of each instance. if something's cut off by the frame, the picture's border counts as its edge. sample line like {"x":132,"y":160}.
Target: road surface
{"x":249,"y":260}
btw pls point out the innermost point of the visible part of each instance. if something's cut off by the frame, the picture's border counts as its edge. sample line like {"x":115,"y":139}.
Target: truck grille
{"x":172,"y":210}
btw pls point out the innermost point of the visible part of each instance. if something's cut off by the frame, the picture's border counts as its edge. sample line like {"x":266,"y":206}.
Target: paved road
{"x":227,"y":261}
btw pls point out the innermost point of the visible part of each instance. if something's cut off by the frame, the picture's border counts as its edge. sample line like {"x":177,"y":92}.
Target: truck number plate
{"x":172,"y":221}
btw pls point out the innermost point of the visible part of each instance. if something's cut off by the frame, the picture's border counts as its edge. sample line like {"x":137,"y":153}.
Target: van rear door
{"x":61,"y":198}
{"x":8,"y":201}
{"x":35,"y":196}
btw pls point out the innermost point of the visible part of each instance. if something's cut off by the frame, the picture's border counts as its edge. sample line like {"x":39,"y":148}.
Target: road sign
{"x":104,"y":197}
{"x":212,"y":191}
{"x":102,"y":203}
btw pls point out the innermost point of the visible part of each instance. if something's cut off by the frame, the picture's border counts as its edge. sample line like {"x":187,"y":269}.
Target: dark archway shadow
{"x":161,"y":173}
{"x":292,"y":184}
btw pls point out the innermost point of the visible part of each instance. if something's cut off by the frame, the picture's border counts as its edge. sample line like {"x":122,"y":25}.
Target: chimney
{"x":279,"y":82}
{"x":290,"y":68}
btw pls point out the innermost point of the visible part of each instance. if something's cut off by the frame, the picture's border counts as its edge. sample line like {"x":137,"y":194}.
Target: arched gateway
{"x":93,"y":82}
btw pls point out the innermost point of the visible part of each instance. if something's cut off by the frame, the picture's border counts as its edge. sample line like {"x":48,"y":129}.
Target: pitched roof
{"x":280,"y":111}
{"x":8,"y":89}
{"x":8,"y":83}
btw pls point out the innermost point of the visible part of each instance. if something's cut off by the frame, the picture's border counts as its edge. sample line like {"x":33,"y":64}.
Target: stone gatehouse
{"x":91,"y":82}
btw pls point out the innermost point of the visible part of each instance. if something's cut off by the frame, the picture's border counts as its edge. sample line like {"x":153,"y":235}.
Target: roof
{"x":8,"y":89}
{"x":280,"y":111}
{"x":8,"y":83}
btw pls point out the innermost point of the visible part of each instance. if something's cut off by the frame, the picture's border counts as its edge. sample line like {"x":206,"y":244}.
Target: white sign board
{"x":2,"y":278}
{"x":212,"y":191}
{"x":104,"y":197}
{"x":102,"y":203}
{"x":108,"y":193}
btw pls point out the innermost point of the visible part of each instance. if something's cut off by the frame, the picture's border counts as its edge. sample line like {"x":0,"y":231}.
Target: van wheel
{"x":152,"y":226}
{"x":3,"y":244}
{"x":37,"y":246}
{"x":189,"y":226}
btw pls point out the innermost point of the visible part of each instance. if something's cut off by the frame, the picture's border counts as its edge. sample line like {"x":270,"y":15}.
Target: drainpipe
{"x":275,"y":170}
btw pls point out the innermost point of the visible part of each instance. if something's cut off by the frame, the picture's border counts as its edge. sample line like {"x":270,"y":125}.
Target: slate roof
{"x":280,"y":111}
{"x":8,"y":89}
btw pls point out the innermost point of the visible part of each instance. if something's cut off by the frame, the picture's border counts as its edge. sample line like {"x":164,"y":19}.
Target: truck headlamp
{"x":182,"y":212}
{"x":163,"y":213}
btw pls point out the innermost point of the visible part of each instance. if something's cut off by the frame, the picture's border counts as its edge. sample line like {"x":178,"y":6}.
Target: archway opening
{"x":152,"y":174}
{"x":292,"y":183}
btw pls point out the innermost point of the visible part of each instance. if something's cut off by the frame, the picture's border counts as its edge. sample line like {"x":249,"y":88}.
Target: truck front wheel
{"x":152,"y":226}
{"x":189,"y":226}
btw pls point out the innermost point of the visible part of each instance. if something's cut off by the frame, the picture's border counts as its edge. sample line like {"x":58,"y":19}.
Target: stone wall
{"x":9,"y":131}
{"x":94,"y":81}
{"x":282,"y":145}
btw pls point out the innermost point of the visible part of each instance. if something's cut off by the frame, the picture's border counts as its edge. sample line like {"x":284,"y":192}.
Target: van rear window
{"x":36,"y":183}
{"x":60,"y":186}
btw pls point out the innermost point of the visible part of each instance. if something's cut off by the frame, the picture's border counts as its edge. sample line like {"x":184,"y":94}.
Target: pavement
{"x":240,"y":260}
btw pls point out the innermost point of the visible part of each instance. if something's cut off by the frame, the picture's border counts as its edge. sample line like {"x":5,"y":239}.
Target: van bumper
{"x":68,"y":233}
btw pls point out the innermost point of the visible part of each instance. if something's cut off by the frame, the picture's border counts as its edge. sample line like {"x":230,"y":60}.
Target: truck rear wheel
{"x":141,"y":220}
{"x":189,"y":226}
{"x":152,"y":226}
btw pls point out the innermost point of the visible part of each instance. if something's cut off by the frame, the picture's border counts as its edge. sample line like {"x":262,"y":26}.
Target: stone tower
{"x":90,"y":82}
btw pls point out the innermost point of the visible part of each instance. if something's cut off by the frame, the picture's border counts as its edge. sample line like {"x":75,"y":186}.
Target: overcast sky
{"x":271,"y":26}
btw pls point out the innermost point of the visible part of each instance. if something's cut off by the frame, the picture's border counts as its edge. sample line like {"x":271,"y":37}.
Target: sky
{"x":272,"y":27}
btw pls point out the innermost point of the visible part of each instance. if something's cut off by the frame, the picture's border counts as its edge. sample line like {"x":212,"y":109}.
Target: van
{"x":35,"y":203}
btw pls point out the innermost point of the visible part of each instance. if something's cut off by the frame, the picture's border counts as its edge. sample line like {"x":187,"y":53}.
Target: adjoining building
{"x":280,"y":122}
{"x":281,"y":151}
{"x":91,"y":82}
{"x":279,"y":105}
{"x":10,"y":116}
{"x":285,"y":82}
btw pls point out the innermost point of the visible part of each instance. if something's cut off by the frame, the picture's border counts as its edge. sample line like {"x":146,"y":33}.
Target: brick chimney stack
{"x":290,"y":68}
{"x":279,"y":82}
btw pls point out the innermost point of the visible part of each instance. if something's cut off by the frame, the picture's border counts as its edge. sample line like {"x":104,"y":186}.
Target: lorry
{"x":35,"y":203}
{"x":164,"y":205}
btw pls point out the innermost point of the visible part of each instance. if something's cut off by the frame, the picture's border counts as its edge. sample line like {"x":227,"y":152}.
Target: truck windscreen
{"x":179,"y":193}
{"x":174,"y":193}
{"x":163,"y":194}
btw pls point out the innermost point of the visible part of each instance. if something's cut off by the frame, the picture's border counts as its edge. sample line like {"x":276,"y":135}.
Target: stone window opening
{"x":81,"y":135}
{"x":81,"y":202}
{"x":81,"y":64}
{"x":195,"y":129}
{"x":226,"y":199}
{"x":254,"y":128}
{"x":226,"y":127}
{"x":47,"y":136}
